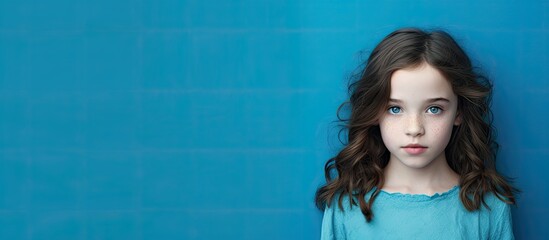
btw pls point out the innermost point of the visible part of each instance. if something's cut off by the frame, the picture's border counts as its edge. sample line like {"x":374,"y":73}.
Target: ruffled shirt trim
{"x":420,"y":197}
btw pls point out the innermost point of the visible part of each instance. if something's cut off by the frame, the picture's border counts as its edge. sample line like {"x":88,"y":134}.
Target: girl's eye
{"x":394,"y":110}
{"x":434,"y":110}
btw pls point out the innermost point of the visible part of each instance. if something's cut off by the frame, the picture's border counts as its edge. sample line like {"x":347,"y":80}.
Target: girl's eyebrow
{"x":430,"y":100}
{"x":437,"y":99}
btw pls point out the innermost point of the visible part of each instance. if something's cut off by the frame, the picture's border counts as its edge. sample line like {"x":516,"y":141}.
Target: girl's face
{"x":418,"y":121}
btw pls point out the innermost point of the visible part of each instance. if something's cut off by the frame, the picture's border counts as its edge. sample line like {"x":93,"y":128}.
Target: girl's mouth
{"x":414,"y":149}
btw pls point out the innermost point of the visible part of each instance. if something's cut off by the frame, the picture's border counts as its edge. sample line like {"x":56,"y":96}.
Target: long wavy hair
{"x":471,"y":151}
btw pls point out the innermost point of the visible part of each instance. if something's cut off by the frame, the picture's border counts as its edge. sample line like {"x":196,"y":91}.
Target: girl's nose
{"x":415,"y":126}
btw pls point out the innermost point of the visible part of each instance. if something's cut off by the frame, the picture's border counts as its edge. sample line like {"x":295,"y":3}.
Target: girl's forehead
{"x":422,"y":82}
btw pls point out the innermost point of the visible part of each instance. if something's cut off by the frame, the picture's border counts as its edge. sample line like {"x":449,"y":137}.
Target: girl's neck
{"x":436,"y":177}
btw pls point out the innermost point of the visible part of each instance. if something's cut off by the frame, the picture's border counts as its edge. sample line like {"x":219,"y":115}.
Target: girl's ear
{"x":458,"y":119}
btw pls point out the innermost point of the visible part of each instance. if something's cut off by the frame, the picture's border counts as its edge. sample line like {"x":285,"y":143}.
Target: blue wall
{"x":211,"y":120}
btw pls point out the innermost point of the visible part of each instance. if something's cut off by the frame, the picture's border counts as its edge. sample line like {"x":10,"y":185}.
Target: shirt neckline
{"x":420,"y":197}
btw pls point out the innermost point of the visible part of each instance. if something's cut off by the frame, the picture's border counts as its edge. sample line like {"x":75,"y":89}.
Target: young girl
{"x":420,"y":158}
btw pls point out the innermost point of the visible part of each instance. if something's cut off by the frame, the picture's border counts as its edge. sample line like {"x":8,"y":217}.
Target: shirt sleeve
{"x":501,"y":222}
{"x":332,"y":223}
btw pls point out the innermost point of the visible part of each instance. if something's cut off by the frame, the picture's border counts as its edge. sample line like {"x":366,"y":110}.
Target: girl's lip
{"x":414,"y":146}
{"x":414,"y":149}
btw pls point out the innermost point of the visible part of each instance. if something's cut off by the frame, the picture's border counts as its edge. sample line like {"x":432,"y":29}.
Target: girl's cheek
{"x":390,"y":124}
{"x":436,"y":130}
{"x":441,"y":127}
{"x":383,"y":122}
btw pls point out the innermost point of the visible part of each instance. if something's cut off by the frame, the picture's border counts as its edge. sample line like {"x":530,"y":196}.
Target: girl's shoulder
{"x":346,"y":203}
{"x":494,"y":203}
{"x":497,"y":217}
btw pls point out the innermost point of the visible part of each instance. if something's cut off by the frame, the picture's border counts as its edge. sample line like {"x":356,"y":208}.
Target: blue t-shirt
{"x":419,"y":216}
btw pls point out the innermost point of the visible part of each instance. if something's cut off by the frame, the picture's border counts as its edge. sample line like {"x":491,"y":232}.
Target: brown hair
{"x":471,"y":151}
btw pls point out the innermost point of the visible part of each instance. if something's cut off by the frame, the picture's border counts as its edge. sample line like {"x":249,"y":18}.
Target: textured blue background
{"x":211,"y":119}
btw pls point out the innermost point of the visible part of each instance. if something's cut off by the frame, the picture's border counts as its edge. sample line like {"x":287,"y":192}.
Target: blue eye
{"x":394,"y":110}
{"x":435,"y":110}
